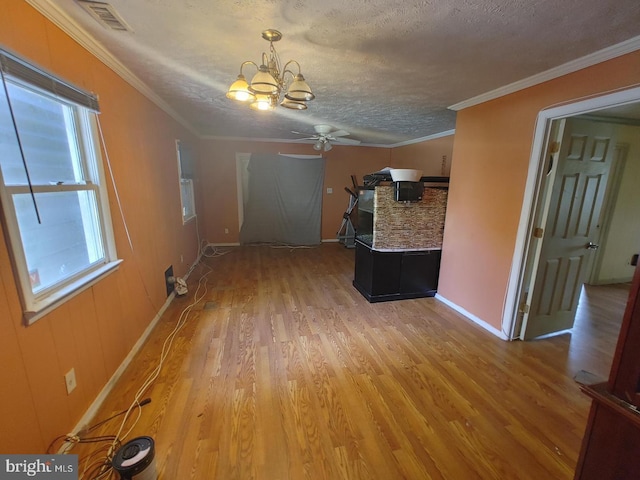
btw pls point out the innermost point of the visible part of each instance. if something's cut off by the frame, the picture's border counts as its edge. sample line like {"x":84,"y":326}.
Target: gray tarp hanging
{"x":284,"y":203}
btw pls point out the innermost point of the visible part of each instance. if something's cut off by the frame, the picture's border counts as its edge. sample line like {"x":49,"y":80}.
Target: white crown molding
{"x":286,"y":140}
{"x":600,"y":56}
{"x":335,"y":144}
{"x":52,"y":12}
{"x":446,"y":133}
{"x":253,"y":139}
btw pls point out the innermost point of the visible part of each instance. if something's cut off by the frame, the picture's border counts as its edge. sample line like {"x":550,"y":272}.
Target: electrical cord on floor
{"x":209,"y":250}
{"x":205,"y":248}
{"x":82,"y":435}
{"x":102,"y":422}
{"x":97,"y":464}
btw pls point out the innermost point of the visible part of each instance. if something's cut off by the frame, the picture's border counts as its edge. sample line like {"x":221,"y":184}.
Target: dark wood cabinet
{"x":611,"y":444}
{"x":382,"y":276}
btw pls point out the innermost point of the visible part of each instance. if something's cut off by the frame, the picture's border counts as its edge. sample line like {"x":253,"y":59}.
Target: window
{"x":186,"y":167}
{"x":51,"y":186}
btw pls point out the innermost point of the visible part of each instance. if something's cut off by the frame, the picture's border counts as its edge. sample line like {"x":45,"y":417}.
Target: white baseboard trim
{"x":325,"y":240}
{"x":613,"y":281}
{"x":97,"y":403}
{"x":473,"y":318}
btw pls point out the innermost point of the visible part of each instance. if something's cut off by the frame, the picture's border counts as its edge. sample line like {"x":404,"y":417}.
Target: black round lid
{"x":134,"y":456}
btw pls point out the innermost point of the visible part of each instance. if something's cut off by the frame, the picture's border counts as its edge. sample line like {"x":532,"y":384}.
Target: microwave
{"x":408,"y":191}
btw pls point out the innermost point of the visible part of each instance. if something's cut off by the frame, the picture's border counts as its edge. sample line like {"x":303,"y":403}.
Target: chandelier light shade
{"x":293,"y":105}
{"x":299,"y":90}
{"x":239,"y":90}
{"x":263,"y":102}
{"x":272,"y":85}
{"x":263,"y":82}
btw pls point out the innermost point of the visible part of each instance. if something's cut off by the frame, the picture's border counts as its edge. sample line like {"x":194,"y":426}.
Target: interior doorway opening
{"x":597,"y":326}
{"x":618,"y":106}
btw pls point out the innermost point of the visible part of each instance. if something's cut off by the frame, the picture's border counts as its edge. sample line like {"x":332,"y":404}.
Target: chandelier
{"x":268,"y":84}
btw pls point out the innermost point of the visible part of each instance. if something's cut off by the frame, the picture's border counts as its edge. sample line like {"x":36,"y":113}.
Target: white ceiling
{"x":384,"y":70}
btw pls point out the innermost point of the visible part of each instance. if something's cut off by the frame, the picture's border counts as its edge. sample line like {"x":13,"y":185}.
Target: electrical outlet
{"x":168,"y":274}
{"x":226,"y":230}
{"x":70,"y":380}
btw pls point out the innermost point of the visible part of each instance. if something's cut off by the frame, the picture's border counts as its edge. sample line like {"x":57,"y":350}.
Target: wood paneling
{"x":20,"y":423}
{"x":94,"y":331}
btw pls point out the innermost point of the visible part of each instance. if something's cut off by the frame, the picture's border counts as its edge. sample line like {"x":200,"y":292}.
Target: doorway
{"x":625,"y":104}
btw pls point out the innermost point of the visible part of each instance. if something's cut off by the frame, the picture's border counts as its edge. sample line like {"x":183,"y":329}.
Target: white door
{"x":571,"y":226}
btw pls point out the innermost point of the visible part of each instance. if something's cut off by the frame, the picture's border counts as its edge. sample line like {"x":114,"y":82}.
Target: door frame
{"x":523,"y":247}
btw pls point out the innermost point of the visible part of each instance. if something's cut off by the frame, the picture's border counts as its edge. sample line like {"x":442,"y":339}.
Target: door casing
{"x":530,"y":211}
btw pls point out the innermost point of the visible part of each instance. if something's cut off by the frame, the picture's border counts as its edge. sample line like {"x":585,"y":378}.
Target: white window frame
{"x":82,"y":123}
{"x":188,"y":212}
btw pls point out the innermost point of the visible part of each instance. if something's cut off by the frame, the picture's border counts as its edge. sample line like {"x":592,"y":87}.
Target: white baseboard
{"x":97,"y":403}
{"x":99,"y":400}
{"x":613,"y":281}
{"x":325,"y":240}
{"x":473,"y":318}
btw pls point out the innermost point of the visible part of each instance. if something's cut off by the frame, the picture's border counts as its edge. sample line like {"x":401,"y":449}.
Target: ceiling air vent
{"x":106,"y":15}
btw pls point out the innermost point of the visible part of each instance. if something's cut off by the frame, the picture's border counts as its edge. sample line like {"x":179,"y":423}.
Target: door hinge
{"x":524,"y":308}
{"x":538,"y":232}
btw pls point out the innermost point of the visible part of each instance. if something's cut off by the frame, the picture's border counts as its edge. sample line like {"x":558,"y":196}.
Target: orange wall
{"x":433,"y":157}
{"x":491,"y":153}
{"x":94,"y":331}
{"x":218,"y":173}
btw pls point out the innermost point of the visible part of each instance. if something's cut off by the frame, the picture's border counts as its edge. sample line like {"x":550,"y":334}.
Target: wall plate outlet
{"x":70,"y":380}
{"x":169,"y":285}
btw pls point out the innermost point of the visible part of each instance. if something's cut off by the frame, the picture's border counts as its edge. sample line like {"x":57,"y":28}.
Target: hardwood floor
{"x":284,"y":371}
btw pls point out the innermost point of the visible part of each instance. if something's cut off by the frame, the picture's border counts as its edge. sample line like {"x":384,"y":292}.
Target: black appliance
{"x":408,"y":191}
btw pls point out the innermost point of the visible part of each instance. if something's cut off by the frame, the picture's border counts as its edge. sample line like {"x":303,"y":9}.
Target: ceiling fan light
{"x":239,"y":90}
{"x":263,"y":82}
{"x":318,"y":145}
{"x":293,"y":105}
{"x":327,"y":146}
{"x":299,"y":90}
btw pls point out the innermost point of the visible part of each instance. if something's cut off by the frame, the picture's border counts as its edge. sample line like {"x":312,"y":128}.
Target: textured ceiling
{"x":384,"y":70}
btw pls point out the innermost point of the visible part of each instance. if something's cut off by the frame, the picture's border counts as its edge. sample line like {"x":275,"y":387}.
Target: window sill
{"x":40,"y":308}
{"x":188,"y":219}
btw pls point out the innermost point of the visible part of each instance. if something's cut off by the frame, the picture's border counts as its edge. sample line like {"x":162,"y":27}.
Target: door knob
{"x":592,"y":246}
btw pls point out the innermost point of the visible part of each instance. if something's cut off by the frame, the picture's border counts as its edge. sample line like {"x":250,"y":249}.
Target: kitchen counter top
{"x":367,"y":244}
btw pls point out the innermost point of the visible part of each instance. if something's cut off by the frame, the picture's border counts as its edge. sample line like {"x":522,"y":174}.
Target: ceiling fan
{"x":325,"y":135}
